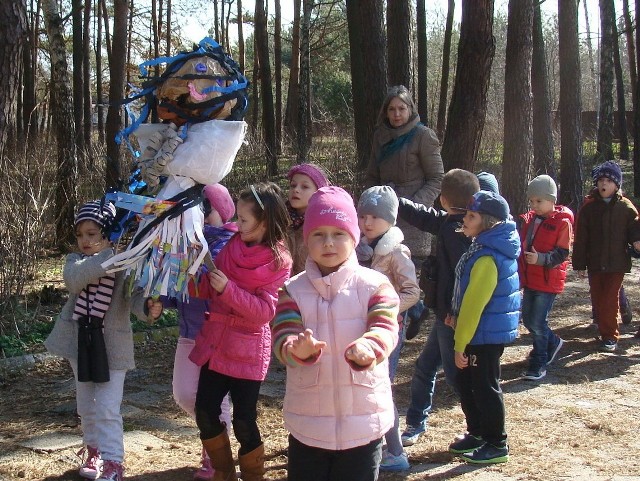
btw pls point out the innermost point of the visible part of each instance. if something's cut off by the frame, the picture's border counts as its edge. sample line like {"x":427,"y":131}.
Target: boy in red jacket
{"x":546,"y":233}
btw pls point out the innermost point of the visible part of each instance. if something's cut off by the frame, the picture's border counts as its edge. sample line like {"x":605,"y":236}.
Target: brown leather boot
{"x":219,"y":450}
{"x":252,"y":465}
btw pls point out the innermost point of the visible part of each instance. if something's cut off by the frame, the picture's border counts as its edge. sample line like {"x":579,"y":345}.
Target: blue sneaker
{"x":553,"y":353}
{"x":411,"y":434}
{"x":394,"y":463}
{"x":534,"y":374}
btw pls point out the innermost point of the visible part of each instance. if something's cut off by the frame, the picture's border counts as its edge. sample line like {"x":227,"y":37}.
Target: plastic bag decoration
{"x":201,"y":98}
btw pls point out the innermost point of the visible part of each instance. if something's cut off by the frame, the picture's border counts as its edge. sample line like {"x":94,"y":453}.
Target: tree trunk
{"x":78,"y":56}
{"x":592,"y":69}
{"x":29,"y":55}
{"x":13,"y":38}
{"x":444,"y":80}
{"x":240,"y":37}
{"x":107,"y":35}
{"x":255,"y":111}
{"x":62,"y":120}
{"x":358,"y":83}
{"x":268,"y":115}
{"x":291,"y":112}
{"x":570,"y":106}
{"x":636,"y":121}
{"x":216,"y":24}
{"x":622,"y":117}
{"x":168,"y":48}
{"x":86,"y":74}
{"x":277,"y":52}
{"x":373,"y":54}
{"x":468,"y":106}
{"x":116,"y":92}
{"x":399,"y":42}
{"x":156,"y":49}
{"x":421,"y":28}
{"x":221,"y":39}
{"x":304,"y":129}
{"x":518,"y":116}
{"x":604,"y":144}
{"x":543,"y":154}
{"x":631,"y":49}
{"x":99,"y":95}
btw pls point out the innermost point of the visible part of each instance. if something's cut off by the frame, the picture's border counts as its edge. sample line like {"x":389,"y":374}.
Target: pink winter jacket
{"x":331,"y":403}
{"x":235,"y":339}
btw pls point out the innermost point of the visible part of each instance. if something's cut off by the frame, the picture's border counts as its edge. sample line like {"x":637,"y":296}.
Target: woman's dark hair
{"x":267,"y":205}
{"x":403,"y":94}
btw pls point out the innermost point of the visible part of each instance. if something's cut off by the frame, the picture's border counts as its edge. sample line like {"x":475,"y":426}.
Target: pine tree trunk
{"x":168,"y":35}
{"x":622,"y":114}
{"x":29,"y":55}
{"x":518,"y":116}
{"x":291,"y":111}
{"x":304,"y":129}
{"x":358,"y":83}
{"x":399,"y":42}
{"x":13,"y":38}
{"x":543,"y":154}
{"x":636,"y":121}
{"x":631,"y":48}
{"x":468,"y":107}
{"x":99,"y":95}
{"x":62,"y":121}
{"x":268,"y":114}
{"x":116,"y":92}
{"x":604,"y":144}
{"x":241,"y":53}
{"x":86,"y":74}
{"x":78,"y":56}
{"x":570,"y":107}
{"x":444,"y":80}
{"x":421,"y":28}
{"x":277,"y":53}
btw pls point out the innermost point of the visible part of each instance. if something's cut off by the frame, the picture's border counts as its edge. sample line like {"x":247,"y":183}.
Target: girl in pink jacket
{"x":335,"y":325}
{"x":234,"y":344}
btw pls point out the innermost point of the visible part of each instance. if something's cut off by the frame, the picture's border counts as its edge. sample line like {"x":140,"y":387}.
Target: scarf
{"x":394,"y":145}
{"x":457,"y":294}
{"x":297,"y":219}
{"x":89,"y":311}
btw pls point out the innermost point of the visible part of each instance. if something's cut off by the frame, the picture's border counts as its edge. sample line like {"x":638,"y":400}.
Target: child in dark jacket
{"x":607,"y":223}
{"x":546,"y":233}
{"x":458,"y":187}
{"x":485,"y":314}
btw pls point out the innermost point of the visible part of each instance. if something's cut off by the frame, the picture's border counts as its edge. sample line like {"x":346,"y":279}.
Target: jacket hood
{"x":502,"y":237}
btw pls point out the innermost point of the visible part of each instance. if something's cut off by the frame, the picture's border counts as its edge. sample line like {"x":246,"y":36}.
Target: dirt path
{"x":580,"y":422}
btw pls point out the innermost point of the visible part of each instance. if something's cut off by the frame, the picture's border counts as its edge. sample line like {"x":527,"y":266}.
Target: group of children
{"x":337,"y":323}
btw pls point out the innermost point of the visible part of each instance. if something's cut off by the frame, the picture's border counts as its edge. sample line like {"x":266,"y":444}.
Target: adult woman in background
{"x":405,"y":155}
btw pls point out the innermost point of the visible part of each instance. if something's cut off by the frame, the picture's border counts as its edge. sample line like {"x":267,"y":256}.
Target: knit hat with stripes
{"x":102,"y":213}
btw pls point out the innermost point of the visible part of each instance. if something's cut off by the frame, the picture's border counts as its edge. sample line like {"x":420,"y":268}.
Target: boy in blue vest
{"x":485,"y":313}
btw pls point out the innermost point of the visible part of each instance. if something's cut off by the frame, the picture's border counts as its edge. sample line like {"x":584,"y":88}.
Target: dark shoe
{"x":637,"y":334}
{"x":552,"y":353}
{"x":414,"y":324}
{"x":465,"y":444}
{"x":625,"y":312}
{"x":411,"y":434}
{"x":534,"y":374}
{"x":608,"y":345}
{"x":487,"y":454}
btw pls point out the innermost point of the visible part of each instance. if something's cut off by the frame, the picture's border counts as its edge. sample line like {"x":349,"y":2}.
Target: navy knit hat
{"x":102,"y":213}
{"x":610,"y":170}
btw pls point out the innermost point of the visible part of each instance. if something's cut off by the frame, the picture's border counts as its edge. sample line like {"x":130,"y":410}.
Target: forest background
{"x":518,"y":88}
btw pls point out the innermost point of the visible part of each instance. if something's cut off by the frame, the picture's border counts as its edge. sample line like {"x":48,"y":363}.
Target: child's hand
{"x":305,"y":345}
{"x":361,"y":354}
{"x":636,"y":246}
{"x":451,"y":321}
{"x":531,"y":257}
{"x":461,"y":359}
{"x":154,"y":308}
{"x":218,"y":280}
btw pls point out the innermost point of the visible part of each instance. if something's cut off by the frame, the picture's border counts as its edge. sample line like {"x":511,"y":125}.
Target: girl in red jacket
{"x":234,"y":344}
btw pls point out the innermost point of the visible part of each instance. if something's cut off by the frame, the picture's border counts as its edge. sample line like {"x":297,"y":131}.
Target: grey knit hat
{"x":380,"y":201}
{"x":488,"y":182}
{"x":544,"y":187}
